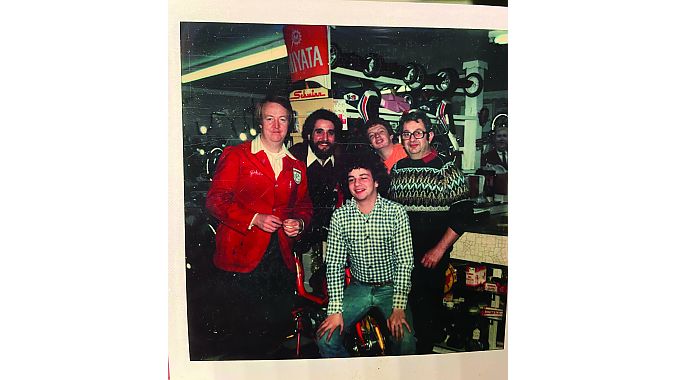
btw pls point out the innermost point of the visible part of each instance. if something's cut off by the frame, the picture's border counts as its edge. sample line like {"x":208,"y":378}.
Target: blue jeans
{"x":358,"y":298}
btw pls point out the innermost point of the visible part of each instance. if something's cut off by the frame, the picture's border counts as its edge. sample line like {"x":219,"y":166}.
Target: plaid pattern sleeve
{"x":379,"y":248}
{"x":403,"y":258}
{"x":336,"y":259}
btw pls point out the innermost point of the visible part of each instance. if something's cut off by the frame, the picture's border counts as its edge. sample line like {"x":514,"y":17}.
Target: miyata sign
{"x":308,"y":50}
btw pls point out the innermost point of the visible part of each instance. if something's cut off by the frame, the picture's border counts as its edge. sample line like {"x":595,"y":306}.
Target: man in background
{"x":381,"y":137}
{"x":494,"y":165}
{"x":497,"y":155}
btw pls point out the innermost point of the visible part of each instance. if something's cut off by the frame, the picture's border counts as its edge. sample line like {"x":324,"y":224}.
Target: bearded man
{"x":320,"y":134}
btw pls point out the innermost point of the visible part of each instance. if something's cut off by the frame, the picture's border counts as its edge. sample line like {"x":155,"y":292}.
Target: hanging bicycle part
{"x":376,"y":66}
{"x":414,"y":75}
{"x":446,"y":80}
{"x":337,"y":58}
{"x":472,"y":84}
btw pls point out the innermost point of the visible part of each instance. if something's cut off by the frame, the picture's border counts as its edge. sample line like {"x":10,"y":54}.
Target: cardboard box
{"x":475,"y":276}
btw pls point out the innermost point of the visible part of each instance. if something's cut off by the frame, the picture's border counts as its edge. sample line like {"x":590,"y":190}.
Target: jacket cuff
{"x":251,"y":224}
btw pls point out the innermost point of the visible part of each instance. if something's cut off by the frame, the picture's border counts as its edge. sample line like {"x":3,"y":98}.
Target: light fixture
{"x":242,"y":136}
{"x":498,"y":37}
{"x":252,"y":131}
{"x":251,"y":59}
{"x":500,"y":120}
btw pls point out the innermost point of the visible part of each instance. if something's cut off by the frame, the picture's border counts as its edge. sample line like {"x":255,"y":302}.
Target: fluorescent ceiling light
{"x":236,"y":64}
{"x":498,"y":37}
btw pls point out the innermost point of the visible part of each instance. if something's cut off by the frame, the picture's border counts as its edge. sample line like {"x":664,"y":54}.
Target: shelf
{"x":388,"y":80}
{"x":359,"y":74}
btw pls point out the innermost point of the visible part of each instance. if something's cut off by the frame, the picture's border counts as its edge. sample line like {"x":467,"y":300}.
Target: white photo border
{"x":486,"y":365}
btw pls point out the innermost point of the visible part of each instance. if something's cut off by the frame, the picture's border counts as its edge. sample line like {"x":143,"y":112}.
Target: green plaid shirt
{"x":378,"y":246}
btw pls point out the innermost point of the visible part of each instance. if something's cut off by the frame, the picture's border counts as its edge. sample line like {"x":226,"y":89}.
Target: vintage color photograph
{"x":345,"y":190}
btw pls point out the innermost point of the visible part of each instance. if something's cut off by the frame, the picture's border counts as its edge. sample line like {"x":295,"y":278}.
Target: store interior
{"x":227,"y":67}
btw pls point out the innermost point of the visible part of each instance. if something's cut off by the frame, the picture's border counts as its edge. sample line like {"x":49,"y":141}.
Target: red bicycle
{"x":365,"y":339}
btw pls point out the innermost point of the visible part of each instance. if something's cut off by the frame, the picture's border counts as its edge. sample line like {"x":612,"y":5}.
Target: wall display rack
{"x":365,"y":87}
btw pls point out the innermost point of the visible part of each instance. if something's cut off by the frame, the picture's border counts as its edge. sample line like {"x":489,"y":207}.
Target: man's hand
{"x":432,"y":258}
{"x":330,"y":324}
{"x":267,"y":222}
{"x":291,"y":227}
{"x":396,"y":323}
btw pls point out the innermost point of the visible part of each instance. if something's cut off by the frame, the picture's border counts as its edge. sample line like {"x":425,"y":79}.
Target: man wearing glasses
{"x":435,"y":195}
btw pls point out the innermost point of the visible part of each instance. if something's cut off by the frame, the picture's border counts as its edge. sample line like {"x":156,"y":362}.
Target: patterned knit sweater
{"x":436,"y":196}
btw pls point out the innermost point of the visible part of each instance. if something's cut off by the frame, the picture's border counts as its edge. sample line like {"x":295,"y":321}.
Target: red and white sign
{"x":308,"y":50}
{"x":488,"y":311}
{"x":308,"y":93}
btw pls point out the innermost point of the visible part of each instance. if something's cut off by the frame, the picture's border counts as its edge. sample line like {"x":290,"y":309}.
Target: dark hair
{"x":282,"y":101}
{"x":364,"y":159}
{"x":378,"y":121}
{"x":416,"y":115}
{"x":321,"y":114}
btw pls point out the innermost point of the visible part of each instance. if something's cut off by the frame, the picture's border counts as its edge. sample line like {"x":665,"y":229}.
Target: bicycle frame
{"x":364,"y":328}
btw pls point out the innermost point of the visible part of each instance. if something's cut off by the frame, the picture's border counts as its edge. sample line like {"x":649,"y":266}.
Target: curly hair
{"x":419,"y":116}
{"x":321,"y":114}
{"x":364,"y":159}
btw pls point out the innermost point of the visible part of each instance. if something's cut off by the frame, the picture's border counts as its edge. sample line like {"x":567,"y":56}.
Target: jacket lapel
{"x":261,"y":162}
{"x":287,"y":169}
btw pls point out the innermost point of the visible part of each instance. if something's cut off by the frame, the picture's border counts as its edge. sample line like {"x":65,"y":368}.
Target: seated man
{"x":373,"y":233}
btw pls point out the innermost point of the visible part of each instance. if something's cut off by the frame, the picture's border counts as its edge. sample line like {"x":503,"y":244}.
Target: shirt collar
{"x":311,"y":157}
{"x":257,"y":146}
{"x":430,"y":156}
{"x":376,"y":206}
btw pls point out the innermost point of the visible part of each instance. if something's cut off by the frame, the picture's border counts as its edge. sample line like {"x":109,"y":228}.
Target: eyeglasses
{"x":417,"y":134}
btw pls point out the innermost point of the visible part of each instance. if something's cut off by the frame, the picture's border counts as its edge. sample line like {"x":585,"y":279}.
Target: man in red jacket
{"x":259,"y":194}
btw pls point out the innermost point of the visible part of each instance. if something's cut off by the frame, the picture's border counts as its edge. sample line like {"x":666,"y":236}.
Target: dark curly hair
{"x":321,"y":114}
{"x":419,"y":116}
{"x":364,"y":159}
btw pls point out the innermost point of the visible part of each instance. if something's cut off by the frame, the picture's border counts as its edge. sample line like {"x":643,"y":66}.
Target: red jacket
{"x":243,"y":185}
